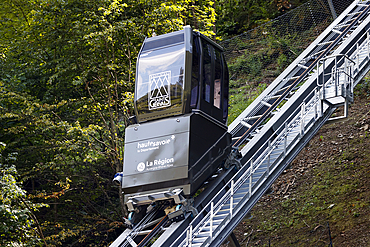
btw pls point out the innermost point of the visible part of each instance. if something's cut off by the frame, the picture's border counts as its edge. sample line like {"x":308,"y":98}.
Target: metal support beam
{"x":232,"y":241}
{"x":332,"y":10}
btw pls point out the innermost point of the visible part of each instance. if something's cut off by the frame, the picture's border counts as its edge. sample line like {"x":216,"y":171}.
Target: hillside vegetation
{"x":323,"y":197}
{"x":326,"y":188}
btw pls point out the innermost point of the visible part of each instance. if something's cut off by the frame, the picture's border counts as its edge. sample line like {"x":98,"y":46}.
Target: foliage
{"x":363,"y":88}
{"x":266,"y":59}
{"x":242,"y":96}
{"x":66,"y":91}
{"x":250,"y":64}
{"x":18,"y":222}
{"x":237,"y":16}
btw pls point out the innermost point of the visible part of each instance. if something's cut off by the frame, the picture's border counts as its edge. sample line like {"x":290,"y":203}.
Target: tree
{"x":19,"y":224}
{"x":237,"y":16}
{"x":66,"y":89}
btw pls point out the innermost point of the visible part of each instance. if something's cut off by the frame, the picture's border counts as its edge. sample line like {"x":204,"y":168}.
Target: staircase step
{"x":199,"y":240}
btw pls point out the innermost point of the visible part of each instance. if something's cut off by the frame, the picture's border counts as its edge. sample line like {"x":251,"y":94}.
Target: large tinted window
{"x":207,"y":71}
{"x":159,"y":82}
{"x":218,"y":79}
{"x":195,"y":73}
{"x":225,"y":90}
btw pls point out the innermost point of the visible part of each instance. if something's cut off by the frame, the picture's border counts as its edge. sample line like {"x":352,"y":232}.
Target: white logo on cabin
{"x":159,"y":90}
{"x":141,"y":166}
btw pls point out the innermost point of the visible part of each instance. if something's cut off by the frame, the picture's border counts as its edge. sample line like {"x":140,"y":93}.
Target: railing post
{"x":250,"y":179}
{"x":368,"y":48}
{"x":302,"y":119}
{"x":285,"y":138}
{"x":268,"y":158}
{"x":323,"y":77}
{"x":336,"y":77}
{"x":318,"y":74}
{"x":187,"y":236}
{"x":231,"y":199}
{"x":211,"y":222}
{"x":358,"y":57}
{"x":190,"y":235}
{"x":346,"y":75}
{"x":346,"y":105}
{"x":316,"y":101}
{"x":351,"y":80}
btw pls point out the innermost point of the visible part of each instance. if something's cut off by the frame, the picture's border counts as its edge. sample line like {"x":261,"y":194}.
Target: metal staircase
{"x":280,"y":122}
{"x":275,"y":127}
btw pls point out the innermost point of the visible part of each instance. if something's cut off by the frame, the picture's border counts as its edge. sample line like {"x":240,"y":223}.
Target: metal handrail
{"x":304,"y":108}
{"x":273,"y":143}
{"x":247,"y":174}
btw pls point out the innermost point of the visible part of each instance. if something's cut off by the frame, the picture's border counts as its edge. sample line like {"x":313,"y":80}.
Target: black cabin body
{"x":181,"y":101}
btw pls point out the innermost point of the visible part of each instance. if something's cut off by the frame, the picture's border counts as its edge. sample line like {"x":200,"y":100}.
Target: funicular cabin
{"x":181,"y":100}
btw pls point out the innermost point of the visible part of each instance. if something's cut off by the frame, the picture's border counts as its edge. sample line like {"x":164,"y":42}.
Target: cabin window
{"x":207,"y":71}
{"x":160,"y":83}
{"x":195,"y":73}
{"x":218,"y":79}
{"x":225,"y":90}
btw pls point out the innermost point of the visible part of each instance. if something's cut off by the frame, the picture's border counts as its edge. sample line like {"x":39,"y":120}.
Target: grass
{"x":331,"y":186}
{"x":241,"y":96}
{"x":334,"y":191}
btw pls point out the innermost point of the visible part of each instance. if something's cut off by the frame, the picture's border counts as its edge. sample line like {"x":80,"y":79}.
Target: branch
{"x":35,"y":219}
{"x":101,"y":115}
{"x":28,"y":24}
{"x":105,"y":193}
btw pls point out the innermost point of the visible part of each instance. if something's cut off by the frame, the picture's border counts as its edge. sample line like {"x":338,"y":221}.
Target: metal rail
{"x":325,"y":84}
{"x":275,"y":128}
{"x":286,"y":84}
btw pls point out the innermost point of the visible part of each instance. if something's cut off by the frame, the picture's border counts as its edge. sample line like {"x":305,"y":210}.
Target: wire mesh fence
{"x":264,"y":52}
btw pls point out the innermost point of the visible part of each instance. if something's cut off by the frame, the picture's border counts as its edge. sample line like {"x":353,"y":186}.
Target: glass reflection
{"x":160,"y":82}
